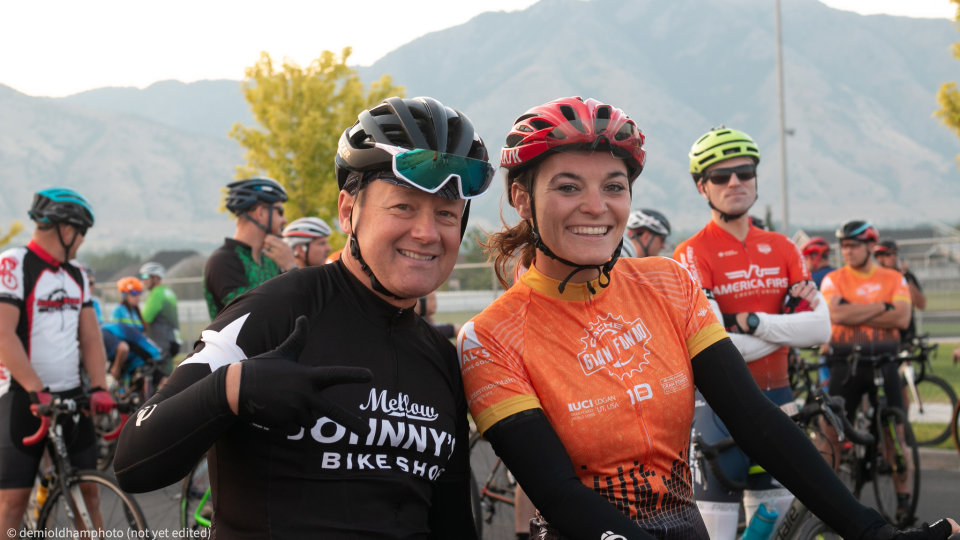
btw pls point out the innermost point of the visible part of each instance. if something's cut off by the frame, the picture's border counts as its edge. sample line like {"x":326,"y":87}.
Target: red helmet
{"x":815,"y":245}
{"x":572,"y":124}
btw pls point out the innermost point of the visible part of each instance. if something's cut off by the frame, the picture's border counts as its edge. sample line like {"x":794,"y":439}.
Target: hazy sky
{"x":60,"y":47}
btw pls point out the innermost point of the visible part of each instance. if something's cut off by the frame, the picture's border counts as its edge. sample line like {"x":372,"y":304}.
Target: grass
{"x":944,"y":368}
{"x":455,"y":317}
{"x":929,"y":431}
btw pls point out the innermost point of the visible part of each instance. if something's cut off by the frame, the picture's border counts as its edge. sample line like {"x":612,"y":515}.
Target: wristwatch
{"x":753,"y":321}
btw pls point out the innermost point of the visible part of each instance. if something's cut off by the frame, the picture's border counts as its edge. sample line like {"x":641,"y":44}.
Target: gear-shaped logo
{"x":615,"y":345}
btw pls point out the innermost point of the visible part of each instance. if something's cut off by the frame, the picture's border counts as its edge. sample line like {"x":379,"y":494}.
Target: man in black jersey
{"x":310,"y":456}
{"x":886,"y":253}
{"x":256,"y":252}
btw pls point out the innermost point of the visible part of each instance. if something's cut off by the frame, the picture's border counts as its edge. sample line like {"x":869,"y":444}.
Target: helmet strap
{"x":355,"y":252}
{"x":66,"y":247}
{"x":644,"y":246}
{"x":265,"y":228}
{"x":603,"y":269}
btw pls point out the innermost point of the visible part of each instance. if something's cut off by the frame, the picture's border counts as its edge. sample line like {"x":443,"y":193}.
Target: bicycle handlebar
{"x":58,"y":406}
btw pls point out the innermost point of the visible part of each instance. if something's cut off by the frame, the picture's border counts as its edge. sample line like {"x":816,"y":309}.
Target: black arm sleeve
{"x":532,"y":450}
{"x":450,"y":513}
{"x":776,"y":443}
{"x":169,"y":434}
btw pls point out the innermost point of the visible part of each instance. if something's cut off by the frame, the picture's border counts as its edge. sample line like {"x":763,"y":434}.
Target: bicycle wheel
{"x":935,"y":396}
{"x":814,"y":529}
{"x":897,"y":460}
{"x":955,"y":426}
{"x":118,"y":510}
{"x":496,"y":491}
{"x":475,"y":505}
{"x":853,"y":457}
{"x":196,"y":508}
{"x":106,"y":423}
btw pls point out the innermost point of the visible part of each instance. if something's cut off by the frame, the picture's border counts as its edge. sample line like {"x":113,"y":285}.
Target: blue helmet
{"x":243,"y":194}
{"x":61,"y":205}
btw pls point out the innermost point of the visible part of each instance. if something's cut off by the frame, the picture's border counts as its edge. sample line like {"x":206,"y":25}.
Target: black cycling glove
{"x":277,"y":393}
{"x":938,"y":531}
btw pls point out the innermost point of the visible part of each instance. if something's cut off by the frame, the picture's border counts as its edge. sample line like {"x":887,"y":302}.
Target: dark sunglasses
{"x":719,"y":177}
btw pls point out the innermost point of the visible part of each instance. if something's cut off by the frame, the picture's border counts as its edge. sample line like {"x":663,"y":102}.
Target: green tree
{"x":948,"y":96}
{"x":300,"y":114}
{"x":15,"y":228}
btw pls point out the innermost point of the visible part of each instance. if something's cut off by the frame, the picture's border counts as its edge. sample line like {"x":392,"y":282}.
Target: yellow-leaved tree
{"x":15,"y":228}
{"x":300,"y":114}
{"x":948,"y":96}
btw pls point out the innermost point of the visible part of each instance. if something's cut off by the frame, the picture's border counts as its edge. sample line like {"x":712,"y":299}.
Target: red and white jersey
{"x":50,"y":296}
{"x":749,"y":276}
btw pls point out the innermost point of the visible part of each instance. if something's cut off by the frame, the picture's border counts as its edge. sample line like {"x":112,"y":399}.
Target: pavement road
{"x":939,"y":497}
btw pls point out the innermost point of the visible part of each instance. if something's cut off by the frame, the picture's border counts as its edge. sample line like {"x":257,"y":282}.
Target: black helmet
{"x":243,"y":194}
{"x":885,"y":247}
{"x":61,"y":205}
{"x":857,"y":229}
{"x":421,"y":122}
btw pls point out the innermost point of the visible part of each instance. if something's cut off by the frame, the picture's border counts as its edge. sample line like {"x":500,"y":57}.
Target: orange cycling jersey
{"x":749,"y":276}
{"x":877,"y":285}
{"x":611,"y":372}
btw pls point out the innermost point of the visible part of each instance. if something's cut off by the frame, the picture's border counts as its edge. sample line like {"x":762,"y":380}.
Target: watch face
{"x":753,"y":319}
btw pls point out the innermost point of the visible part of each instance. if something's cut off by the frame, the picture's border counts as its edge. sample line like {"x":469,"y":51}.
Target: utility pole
{"x":785,"y":225}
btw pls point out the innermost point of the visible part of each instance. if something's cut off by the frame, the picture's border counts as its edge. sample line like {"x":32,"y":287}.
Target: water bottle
{"x":761,"y":525}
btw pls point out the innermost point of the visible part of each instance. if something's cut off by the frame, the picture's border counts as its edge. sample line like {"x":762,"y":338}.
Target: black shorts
{"x":19,"y":463}
{"x":861,"y":383}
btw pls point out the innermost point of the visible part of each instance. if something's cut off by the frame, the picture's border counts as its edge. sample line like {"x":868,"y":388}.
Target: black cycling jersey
{"x":231,"y":271}
{"x":906,"y":336}
{"x":328,"y":483}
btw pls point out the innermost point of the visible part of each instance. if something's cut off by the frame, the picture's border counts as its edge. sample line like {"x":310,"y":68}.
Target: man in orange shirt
{"x":758,"y":284}
{"x":869,"y":307}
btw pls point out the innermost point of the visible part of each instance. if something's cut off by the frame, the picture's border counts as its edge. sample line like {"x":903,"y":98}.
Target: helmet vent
{"x":626,"y":131}
{"x":722,"y":133}
{"x":570,"y":115}
{"x":525,"y":129}
{"x":603,"y":118}
{"x":702,"y":139}
{"x":705,"y":160}
{"x":733,"y":150}
{"x":513,"y":139}
{"x":541,"y":124}
{"x":557,"y":133}
{"x":752,"y":149}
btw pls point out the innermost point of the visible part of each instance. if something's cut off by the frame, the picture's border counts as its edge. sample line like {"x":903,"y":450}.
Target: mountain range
{"x":860,"y":93}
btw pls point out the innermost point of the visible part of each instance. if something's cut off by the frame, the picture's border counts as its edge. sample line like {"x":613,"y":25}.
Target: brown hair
{"x":503,"y":247}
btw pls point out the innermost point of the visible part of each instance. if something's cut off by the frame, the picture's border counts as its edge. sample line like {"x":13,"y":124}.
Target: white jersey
{"x":50,"y":296}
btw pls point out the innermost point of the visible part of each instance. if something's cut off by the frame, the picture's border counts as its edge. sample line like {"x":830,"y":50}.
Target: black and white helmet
{"x":152,"y":269}
{"x":651,"y":220}
{"x":305,"y":230}
{"x":628,"y":250}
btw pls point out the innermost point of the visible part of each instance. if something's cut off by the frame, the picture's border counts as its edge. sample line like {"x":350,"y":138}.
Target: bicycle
{"x":894,"y":458}
{"x":498,"y":490}
{"x":135,"y":390}
{"x":196,"y":508}
{"x":922,"y":386}
{"x":798,"y":522}
{"x":955,"y":426}
{"x":57,"y":502}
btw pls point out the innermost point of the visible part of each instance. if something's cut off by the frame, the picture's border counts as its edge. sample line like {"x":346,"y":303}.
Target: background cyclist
{"x":160,"y":314}
{"x":887,"y":255}
{"x":869,"y":307}
{"x":128,"y":310}
{"x":816,"y":251}
{"x":256,"y":252}
{"x":759,"y":286}
{"x":295,"y":464}
{"x":47,"y":329}
{"x":309,"y":239}
{"x":647,"y":230}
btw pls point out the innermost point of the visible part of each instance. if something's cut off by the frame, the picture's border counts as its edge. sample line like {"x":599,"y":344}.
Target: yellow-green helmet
{"x":719,"y":144}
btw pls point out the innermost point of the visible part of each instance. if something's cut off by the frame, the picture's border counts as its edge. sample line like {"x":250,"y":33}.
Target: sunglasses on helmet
{"x":719,"y":177}
{"x":430,"y":170}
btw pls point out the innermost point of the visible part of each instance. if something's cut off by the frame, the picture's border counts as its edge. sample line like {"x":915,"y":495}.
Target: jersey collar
{"x":42,"y":253}
{"x":574,"y":292}
{"x":873,"y":270}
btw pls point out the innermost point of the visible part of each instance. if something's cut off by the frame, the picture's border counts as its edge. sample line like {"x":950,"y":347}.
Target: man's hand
{"x":938,"y":531}
{"x":278,"y":250}
{"x":276,"y":392}
{"x":101,"y":401}
{"x":805,"y":290}
{"x":39,"y":398}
